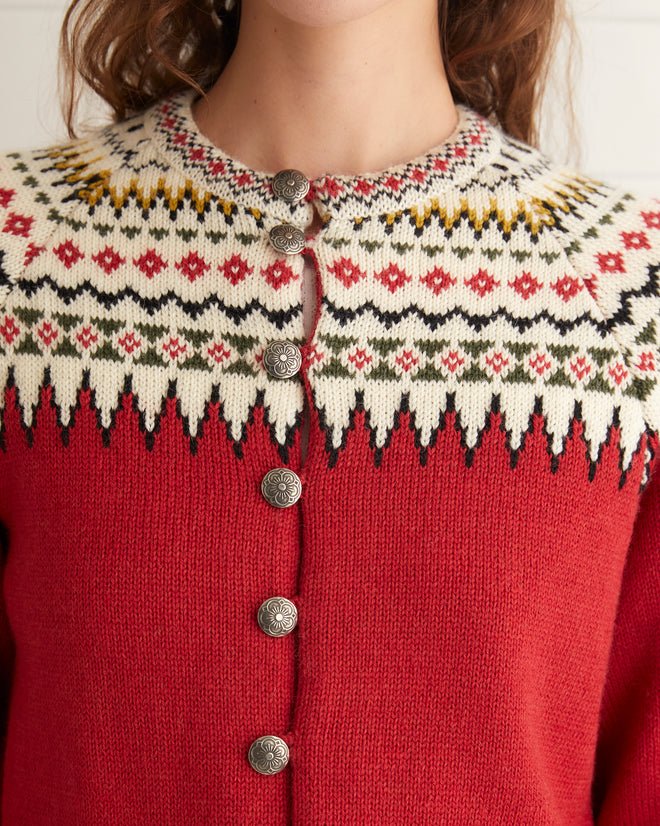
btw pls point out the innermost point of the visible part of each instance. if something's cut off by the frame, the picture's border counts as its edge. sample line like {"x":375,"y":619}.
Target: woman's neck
{"x":346,"y":99}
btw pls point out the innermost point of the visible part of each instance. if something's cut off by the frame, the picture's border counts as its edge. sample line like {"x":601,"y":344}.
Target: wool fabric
{"x":475,"y":556}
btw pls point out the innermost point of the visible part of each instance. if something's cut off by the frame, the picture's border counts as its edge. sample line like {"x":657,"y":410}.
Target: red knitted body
{"x":454,"y":624}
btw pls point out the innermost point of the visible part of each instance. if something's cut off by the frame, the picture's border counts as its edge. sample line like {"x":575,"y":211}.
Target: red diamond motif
{"x":406,"y":360}
{"x":347,"y":272}
{"x":363,"y":187}
{"x":331,"y":187}
{"x":193,"y":266}
{"x":393,"y":183}
{"x":417,"y":175}
{"x":646,"y":362}
{"x":438,"y":280}
{"x":651,"y":219}
{"x":482,"y":283}
{"x":108,"y":260}
{"x":392,"y":277}
{"x":216,"y":167}
{"x":618,"y":372}
{"x":539,"y":363}
{"x":580,"y":367}
{"x":526,"y":285}
{"x":441,"y":163}
{"x":243,"y":179}
{"x":150,"y":263}
{"x":567,"y":287}
{"x":235,"y":269}
{"x":174,"y":348}
{"x":278,"y":274}
{"x":19,"y":225}
{"x":498,"y":361}
{"x":636,"y":240}
{"x":610,"y":261}
{"x":68,"y":253}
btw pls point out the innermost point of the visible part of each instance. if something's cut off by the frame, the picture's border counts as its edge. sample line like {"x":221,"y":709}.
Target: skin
{"x":331,"y":86}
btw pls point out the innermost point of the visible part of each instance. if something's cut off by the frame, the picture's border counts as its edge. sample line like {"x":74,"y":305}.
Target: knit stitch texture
{"x":475,"y":556}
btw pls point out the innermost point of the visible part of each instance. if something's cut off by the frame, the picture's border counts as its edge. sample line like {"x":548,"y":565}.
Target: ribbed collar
{"x":451,"y":164}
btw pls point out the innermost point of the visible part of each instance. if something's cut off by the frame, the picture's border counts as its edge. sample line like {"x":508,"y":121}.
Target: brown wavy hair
{"x":497,"y":53}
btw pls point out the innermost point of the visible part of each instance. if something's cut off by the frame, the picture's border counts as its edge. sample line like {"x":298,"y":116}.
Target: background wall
{"x":617,"y":97}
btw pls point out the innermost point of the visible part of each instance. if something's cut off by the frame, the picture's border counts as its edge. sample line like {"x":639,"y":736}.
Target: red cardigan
{"x":472,"y":545}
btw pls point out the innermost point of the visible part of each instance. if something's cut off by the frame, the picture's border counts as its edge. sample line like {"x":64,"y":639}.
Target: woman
{"x":445,"y":608}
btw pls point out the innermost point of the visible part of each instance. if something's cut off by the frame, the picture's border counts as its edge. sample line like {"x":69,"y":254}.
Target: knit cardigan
{"x":475,"y":555}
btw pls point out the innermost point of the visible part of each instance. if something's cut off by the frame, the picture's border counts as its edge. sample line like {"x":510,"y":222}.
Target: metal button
{"x":287,"y":238}
{"x":269,"y":754}
{"x":282,"y":359}
{"x":277,"y":616}
{"x":290,"y":185}
{"x":281,"y":487}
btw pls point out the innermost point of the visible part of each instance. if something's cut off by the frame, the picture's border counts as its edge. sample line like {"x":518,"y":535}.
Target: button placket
{"x":291,"y":186}
{"x":280,"y":487}
{"x":282,"y":359}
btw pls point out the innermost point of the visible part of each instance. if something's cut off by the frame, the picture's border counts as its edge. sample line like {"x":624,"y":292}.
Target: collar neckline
{"x":448,"y":165}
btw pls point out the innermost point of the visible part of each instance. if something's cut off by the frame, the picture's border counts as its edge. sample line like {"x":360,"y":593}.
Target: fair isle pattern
{"x":621,"y":266}
{"x":493,"y":316}
{"x":452,"y":163}
{"x":133,"y":262}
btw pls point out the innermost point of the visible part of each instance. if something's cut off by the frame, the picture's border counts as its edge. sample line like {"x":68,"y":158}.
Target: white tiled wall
{"x":617,"y":96}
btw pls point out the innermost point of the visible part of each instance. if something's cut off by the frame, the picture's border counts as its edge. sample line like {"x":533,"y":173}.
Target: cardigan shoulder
{"x":52,"y":187}
{"x":608,"y":239}
{"x":611,"y":237}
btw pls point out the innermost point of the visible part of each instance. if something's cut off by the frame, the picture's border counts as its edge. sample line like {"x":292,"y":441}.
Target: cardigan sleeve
{"x":30,"y":211}
{"x":40,"y":190}
{"x":28,"y":215}
{"x":626,"y":785}
{"x":7,"y":654}
{"x":612,"y":239}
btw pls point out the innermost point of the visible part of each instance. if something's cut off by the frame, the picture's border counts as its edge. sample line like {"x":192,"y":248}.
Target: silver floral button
{"x":287,"y":238}
{"x":282,"y":359}
{"x":277,"y":616}
{"x":281,"y":487}
{"x":290,"y":185}
{"x":269,"y":754}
